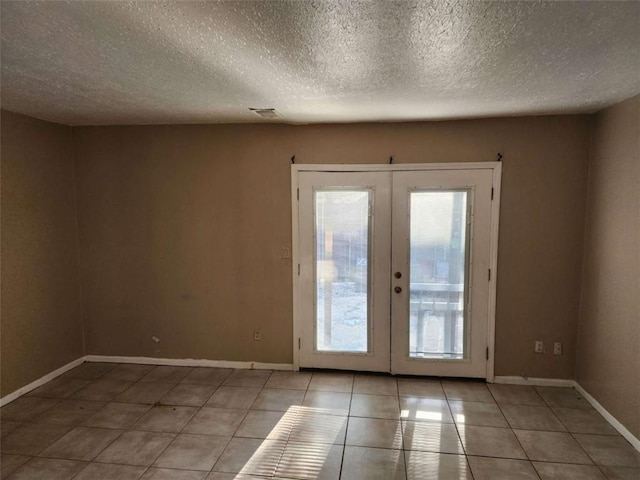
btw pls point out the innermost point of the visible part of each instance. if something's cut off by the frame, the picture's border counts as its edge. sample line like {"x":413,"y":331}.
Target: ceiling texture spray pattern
{"x":115,"y":62}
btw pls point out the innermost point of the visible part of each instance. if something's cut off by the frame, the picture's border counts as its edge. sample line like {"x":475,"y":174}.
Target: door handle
{"x":397,"y":290}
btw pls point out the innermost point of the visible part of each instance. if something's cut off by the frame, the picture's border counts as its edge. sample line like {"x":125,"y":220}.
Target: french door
{"x":393,"y":268}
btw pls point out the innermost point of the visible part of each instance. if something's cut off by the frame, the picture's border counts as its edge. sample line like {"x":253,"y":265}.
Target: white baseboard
{"x":190,"y":362}
{"x":537,"y":382}
{"x":635,"y":442}
{"x":41,"y":381}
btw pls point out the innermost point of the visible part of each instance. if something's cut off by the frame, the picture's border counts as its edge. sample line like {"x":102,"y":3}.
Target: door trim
{"x":495,"y":167}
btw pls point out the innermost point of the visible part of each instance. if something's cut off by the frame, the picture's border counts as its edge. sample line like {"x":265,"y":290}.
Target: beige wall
{"x":181,"y":229}
{"x":608,"y":358}
{"x":40,"y":323}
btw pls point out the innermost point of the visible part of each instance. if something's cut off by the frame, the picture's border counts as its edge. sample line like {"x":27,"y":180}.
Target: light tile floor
{"x":108,"y":421}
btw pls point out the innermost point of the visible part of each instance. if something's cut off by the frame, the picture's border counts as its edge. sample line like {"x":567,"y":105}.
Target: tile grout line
{"x":243,"y":418}
{"x":571,"y":433}
{"x":346,"y":430}
{"x":402,"y":445}
{"x":533,"y":467}
{"x":464,"y":448}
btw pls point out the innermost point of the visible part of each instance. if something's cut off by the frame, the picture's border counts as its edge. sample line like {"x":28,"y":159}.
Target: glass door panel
{"x":440,"y":258}
{"x":438,"y":261}
{"x":344,"y":220}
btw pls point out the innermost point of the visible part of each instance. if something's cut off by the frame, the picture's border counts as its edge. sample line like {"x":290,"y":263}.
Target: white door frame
{"x":495,"y":167}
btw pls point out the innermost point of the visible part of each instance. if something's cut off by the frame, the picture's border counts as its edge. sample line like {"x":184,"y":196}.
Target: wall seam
{"x":77,"y":216}
{"x":588,"y":192}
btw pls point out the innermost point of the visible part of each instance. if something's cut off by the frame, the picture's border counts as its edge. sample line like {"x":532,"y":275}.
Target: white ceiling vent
{"x":265,"y":112}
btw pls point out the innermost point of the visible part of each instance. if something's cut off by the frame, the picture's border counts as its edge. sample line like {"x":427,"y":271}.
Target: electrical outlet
{"x":257,"y":335}
{"x":539,"y":347}
{"x":285,"y":252}
{"x":557,"y":348}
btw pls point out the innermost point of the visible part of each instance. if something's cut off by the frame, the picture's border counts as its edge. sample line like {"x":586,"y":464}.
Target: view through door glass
{"x":438,"y":264}
{"x":342,"y":232}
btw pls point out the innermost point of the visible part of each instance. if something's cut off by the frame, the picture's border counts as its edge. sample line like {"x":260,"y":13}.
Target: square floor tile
{"x":529,"y":417}
{"x":26,"y":409}
{"x":48,"y":469}
{"x":207,"y":376}
{"x":128,"y":372}
{"x":10,"y":463}
{"x":233,"y":397}
{"x":191,"y":395}
{"x":136,"y":448}
{"x":609,"y":450}
{"x":551,"y":447}
{"x":169,"y":419}
{"x":266,"y":424}
{"x":250,"y":456}
{"x":247,"y":378}
{"x":101,"y":390}
{"x":582,"y":420}
{"x":106,"y":471}
{"x":60,"y":387}
{"x":167,"y":374}
{"x":117,"y":415}
{"x":310,"y":426}
{"x":277,"y":400}
{"x":82,"y":443}
{"x":90,"y":370}
{"x":421,"y":409}
{"x":375,"y":385}
{"x":621,"y":473}
{"x":289,"y":380}
{"x":375,"y":406}
{"x":193,"y":452}
{"x":374,"y":432}
{"x":490,"y":442}
{"x":418,"y":387}
{"x":477,"y":413}
{"x":563,"y":471}
{"x":169,"y":474}
{"x":466,"y":390}
{"x":515,"y":395}
{"x":373,"y":464}
{"x":485,"y":468}
{"x":145,"y":392}
{"x":70,"y":412}
{"x":7,"y":427}
{"x":331,"y":382}
{"x":216,"y":421}
{"x":443,"y":466}
{"x":331,"y":403}
{"x":32,"y":438}
{"x":310,"y":461}
{"x":562,"y":397}
{"x":431,"y":437}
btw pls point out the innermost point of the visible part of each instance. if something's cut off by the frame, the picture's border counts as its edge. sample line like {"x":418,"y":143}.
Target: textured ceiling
{"x":99,"y":62}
